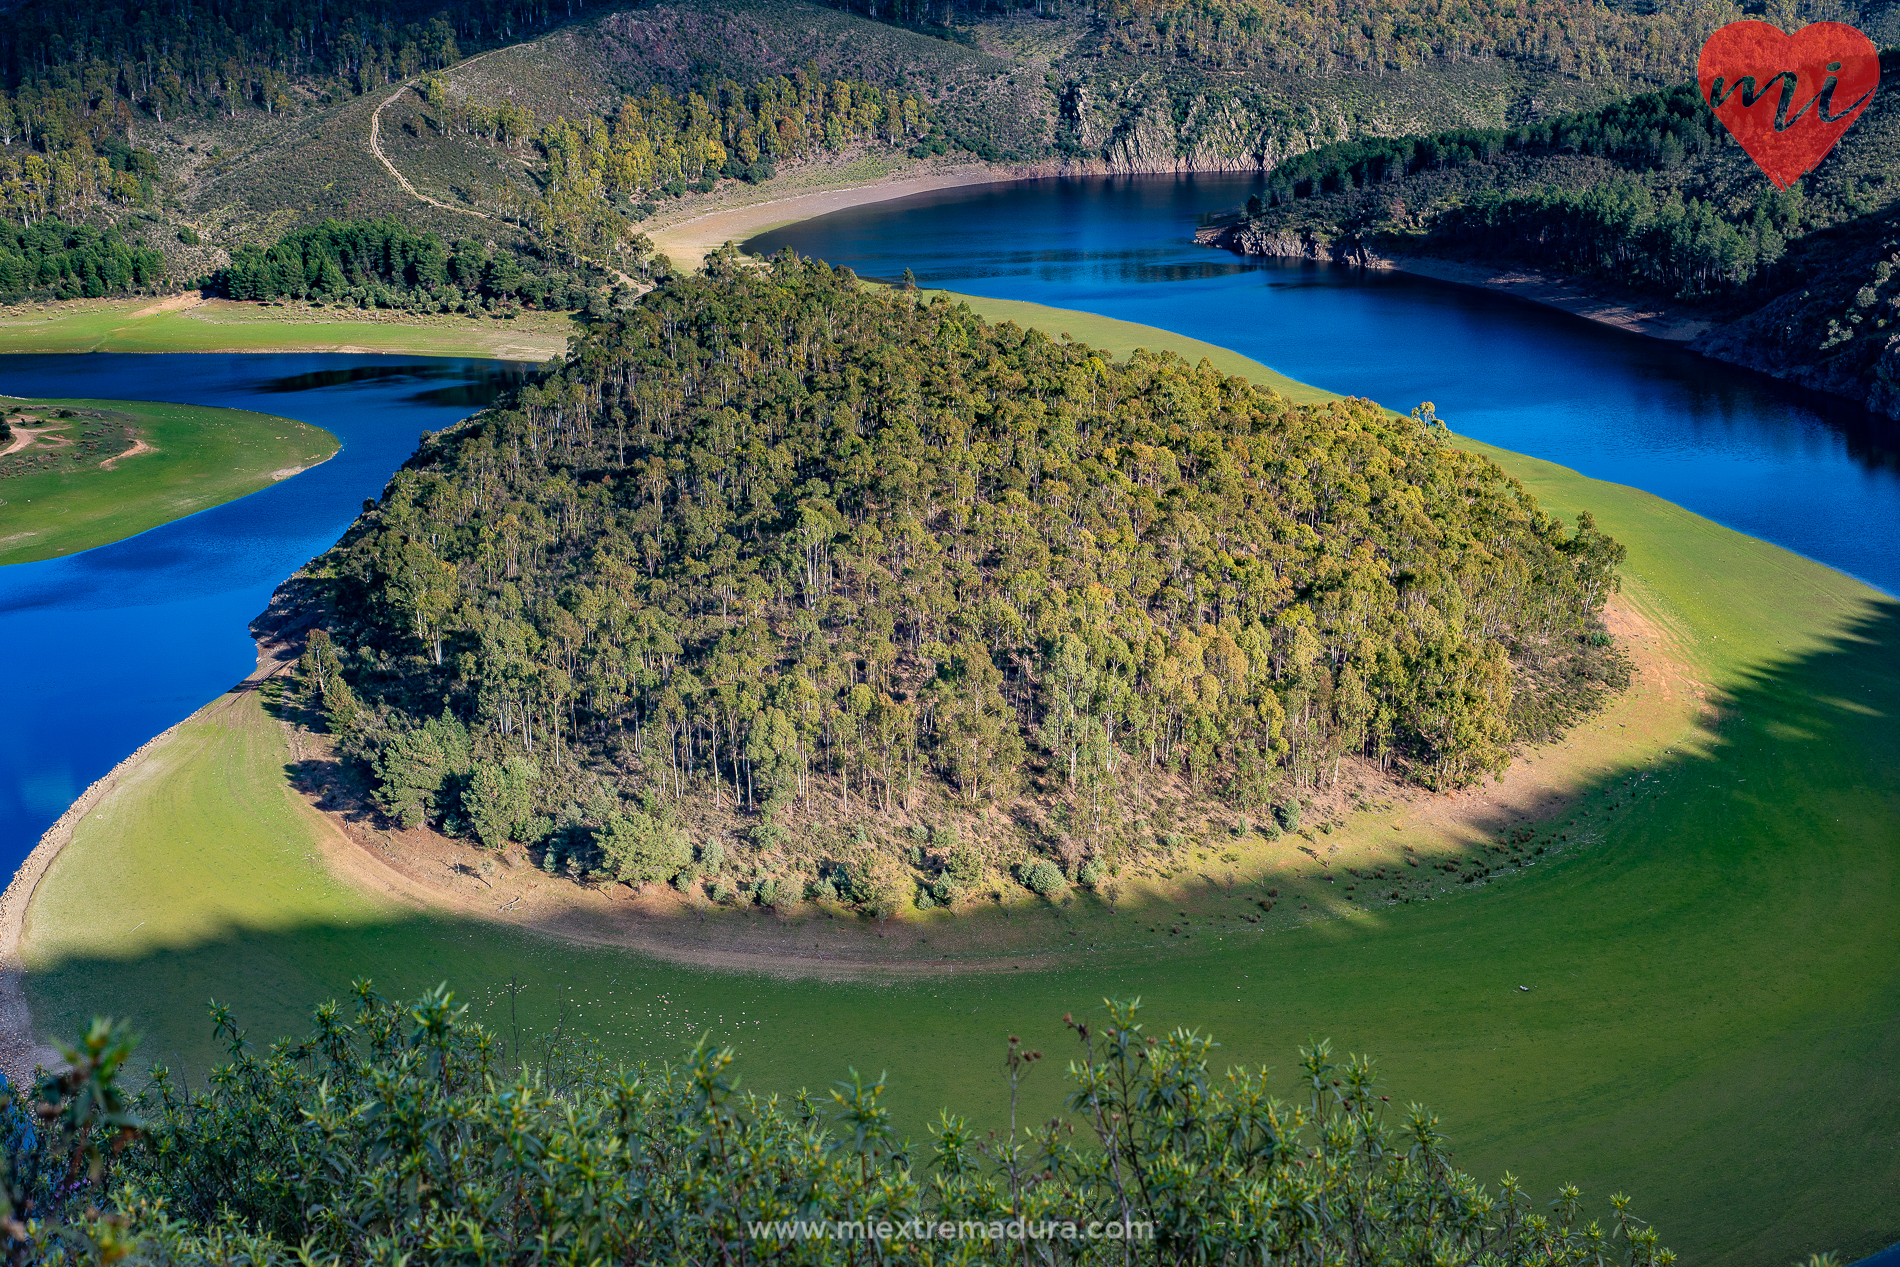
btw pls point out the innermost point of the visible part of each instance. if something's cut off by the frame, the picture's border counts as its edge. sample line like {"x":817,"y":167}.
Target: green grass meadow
{"x":1713,"y":1023}
{"x":201,"y":457}
{"x":224,"y":326}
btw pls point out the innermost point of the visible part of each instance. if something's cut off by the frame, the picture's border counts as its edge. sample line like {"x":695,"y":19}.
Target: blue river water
{"x":1820,"y":478}
{"x":102,"y":650}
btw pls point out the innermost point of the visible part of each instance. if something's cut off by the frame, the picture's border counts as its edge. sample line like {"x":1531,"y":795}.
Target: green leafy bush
{"x":499,"y":800}
{"x":410,"y":1134}
{"x":965,"y":866}
{"x":643,"y":848}
{"x":1042,"y":877}
{"x":419,"y":771}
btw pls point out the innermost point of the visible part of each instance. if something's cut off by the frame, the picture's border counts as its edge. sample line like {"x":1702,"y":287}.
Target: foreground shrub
{"x":411,"y":1134}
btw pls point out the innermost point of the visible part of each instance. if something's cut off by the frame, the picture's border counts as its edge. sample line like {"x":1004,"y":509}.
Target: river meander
{"x":102,"y":650}
{"x":1657,"y":1022}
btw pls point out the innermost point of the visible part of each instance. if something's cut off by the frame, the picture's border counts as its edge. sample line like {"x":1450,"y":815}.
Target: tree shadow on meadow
{"x":1699,"y":1006}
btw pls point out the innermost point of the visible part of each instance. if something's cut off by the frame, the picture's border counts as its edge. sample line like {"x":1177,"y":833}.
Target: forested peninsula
{"x":777,"y":552}
{"x":1646,"y":196}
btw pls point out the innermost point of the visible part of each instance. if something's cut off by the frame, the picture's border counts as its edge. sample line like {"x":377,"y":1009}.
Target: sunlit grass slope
{"x":1123,"y":337}
{"x":1714,"y":1001}
{"x":218,"y":325}
{"x":198,"y":458}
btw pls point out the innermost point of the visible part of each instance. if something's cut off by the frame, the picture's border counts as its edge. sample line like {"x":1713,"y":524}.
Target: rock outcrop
{"x":1247,"y":238}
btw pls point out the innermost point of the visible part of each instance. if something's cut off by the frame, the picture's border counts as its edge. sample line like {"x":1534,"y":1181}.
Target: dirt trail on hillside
{"x":23,"y":437}
{"x":138,"y":446}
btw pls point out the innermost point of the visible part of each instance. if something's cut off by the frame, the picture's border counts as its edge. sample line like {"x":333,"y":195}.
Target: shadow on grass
{"x":1701,"y":1007}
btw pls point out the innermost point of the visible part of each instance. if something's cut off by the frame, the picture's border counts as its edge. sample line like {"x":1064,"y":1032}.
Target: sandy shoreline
{"x":689,"y":242}
{"x":1646,"y":317}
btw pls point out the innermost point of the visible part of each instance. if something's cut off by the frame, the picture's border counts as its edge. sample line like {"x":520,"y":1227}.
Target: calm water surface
{"x":1731,"y":445}
{"x":102,"y":650}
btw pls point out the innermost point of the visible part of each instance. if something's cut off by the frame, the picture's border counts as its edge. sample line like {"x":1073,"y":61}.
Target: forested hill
{"x":777,"y":551}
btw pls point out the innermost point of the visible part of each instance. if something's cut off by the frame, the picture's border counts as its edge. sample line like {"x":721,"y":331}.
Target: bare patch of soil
{"x":138,"y":447}
{"x":25,"y":437}
{"x":431,"y":872}
{"x":176,"y":303}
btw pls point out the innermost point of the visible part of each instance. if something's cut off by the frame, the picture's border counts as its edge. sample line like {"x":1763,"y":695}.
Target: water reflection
{"x":1813,"y":473}
{"x":474,"y":385}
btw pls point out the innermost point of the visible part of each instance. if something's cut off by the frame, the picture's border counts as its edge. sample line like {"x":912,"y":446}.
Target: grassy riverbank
{"x":1710,"y":961}
{"x":189,"y":324}
{"x":83,"y":473}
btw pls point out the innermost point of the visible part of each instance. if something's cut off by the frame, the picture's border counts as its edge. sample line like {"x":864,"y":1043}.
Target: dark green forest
{"x":1625,"y":227}
{"x":1649,"y":191}
{"x":1647,"y":130}
{"x":385,"y":264}
{"x":67,"y":261}
{"x":65,"y":63}
{"x":410,"y":1134}
{"x":777,"y":550}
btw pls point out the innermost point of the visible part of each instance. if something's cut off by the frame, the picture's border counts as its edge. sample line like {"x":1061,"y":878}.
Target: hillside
{"x":1648,"y":196}
{"x":466,"y":123}
{"x":776,"y":553}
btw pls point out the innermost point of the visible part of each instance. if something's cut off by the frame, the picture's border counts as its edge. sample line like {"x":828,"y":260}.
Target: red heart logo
{"x":1788,"y":98}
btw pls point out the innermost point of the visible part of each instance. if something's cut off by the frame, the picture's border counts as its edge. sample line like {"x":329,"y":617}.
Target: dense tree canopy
{"x":384,"y":263}
{"x":1647,"y":130}
{"x":1651,"y":43}
{"x":69,"y":261}
{"x":1628,"y":228}
{"x":783,"y":545}
{"x":409,"y":1134}
{"x":66,"y":62}
{"x":1649,"y":191}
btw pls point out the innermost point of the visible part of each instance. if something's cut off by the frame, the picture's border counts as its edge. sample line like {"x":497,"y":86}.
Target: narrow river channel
{"x":101,"y":651}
